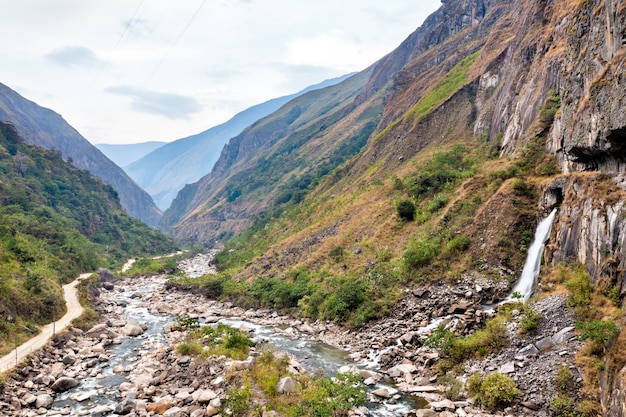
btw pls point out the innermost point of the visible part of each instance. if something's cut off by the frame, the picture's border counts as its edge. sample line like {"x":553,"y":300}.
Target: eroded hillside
{"x":489,"y":116}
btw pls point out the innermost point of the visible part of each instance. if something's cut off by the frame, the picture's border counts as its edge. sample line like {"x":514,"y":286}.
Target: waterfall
{"x":532,"y":266}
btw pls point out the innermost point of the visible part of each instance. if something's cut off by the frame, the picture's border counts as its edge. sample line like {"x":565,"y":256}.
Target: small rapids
{"x":100,"y":390}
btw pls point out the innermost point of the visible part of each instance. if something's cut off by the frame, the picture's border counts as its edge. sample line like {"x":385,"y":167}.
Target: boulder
{"x":382,"y":393}
{"x":563,"y":335}
{"x":43,"y":401}
{"x":29,"y":398}
{"x":132,"y":328}
{"x":174,"y":412}
{"x":69,"y":359}
{"x":125,"y":407}
{"x":545,"y":343}
{"x":529,"y":350}
{"x":204,"y":395}
{"x":159,"y":407}
{"x":64,"y":383}
{"x":442,"y":405}
{"x":287,"y":385}
{"x":507,"y":368}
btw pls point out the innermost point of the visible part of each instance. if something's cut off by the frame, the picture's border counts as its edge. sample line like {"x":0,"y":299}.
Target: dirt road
{"x":74,"y":310}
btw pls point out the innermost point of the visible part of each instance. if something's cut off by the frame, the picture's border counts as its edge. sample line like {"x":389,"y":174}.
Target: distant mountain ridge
{"x":43,"y":127}
{"x":166,"y":170}
{"x":126,"y":154}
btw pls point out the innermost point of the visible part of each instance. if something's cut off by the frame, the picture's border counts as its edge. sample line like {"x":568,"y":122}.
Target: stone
{"x":545,"y":343}
{"x":63,"y":384}
{"x":159,"y":407}
{"x":211,"y":411}
{"x":443,"y":405}
{"x":423,"y":388}
{"x":69,"y":359}
{"x":132,"y":329}
{"x":174,"y":412}
{"x":382,"y":393}
{"x":287,"y":385}
{"x":403,"y":368}
{"x":125,"y":407}
{"x":459,"y":308}
{"x":529,"y":350}
{"x":43,"y":401}
{"x":507,"y":368}
{"x":204,"y":395}
{"x":425,"y":412}
{"x":563,"y":335}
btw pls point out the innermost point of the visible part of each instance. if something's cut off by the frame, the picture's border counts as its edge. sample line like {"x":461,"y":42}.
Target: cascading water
{"x":527,"y":280}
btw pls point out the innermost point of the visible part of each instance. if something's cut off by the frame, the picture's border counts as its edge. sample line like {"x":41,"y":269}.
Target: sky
{"x":130,"y":71}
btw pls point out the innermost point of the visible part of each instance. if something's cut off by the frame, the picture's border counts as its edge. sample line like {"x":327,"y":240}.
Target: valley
{"x":441,"y":234}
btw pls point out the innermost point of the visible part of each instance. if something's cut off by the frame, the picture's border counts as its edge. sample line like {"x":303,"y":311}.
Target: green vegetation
{"x":456,"y":349}
{"x":597,"y":330}
{"x":212,"y":340}
{"x":55,"y":222}
{"x":529,"y":320}
{"x":445,"y":88}
{"x":154,"y":266}
{"x":494,"y":390}
{"x":406,"y":210}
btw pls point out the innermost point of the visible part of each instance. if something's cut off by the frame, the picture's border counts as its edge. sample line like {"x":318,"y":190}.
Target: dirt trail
{"x":74,"y":310}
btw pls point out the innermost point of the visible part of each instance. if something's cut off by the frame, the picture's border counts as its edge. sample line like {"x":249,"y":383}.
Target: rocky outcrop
{"x":590,"y":226}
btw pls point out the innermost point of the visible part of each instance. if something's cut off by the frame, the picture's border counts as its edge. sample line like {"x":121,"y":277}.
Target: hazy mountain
{"x":166,"y":170}
{"x":45,"y":128}
{"x":124,"y":154}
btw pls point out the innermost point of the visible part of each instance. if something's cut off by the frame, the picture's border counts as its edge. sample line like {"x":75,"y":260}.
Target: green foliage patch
{"x":494,"y":390}
{"x":56,"y":221}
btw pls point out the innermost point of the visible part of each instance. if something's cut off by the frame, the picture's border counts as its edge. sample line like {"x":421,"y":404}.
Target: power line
{"x":141,"y":90}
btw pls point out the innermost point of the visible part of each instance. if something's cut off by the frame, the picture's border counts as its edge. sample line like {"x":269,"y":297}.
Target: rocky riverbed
{"x":65,"y":378}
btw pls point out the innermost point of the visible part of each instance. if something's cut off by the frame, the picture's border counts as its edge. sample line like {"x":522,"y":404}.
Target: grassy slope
{"x":55,"y":221}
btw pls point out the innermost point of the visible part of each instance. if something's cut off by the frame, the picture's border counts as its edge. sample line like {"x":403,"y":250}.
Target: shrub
{"x":597,"y":330}
{"x":441,"y":338}
{"x":456,"y":245}
{"x":332,"y":397}
{"x":421,"y":252}
{"x":563,"y":379}
{"x":495,"y":389}
{"x":529,"y":320}
{"x":192,"y":348}
{"x":473,"y":384}
{"x":580,"y":289}
{"x":406,"y":210}
{"x":238,"y":402}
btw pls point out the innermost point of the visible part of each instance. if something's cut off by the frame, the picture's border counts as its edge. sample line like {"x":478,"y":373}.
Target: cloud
{"x":172,"y":106}
{"x":74,"y":56}
{"x":330,"y":49}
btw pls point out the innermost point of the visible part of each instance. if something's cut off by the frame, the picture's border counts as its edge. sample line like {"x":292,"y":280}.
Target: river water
{"x":99,"y":391}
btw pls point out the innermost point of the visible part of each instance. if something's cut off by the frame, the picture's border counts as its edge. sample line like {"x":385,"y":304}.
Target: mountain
{"x":428,"y":172}
{"x":56,"y":221}
{"x":166,"y":170}
{"x":125,"y":154}
{"x":45,"y":128}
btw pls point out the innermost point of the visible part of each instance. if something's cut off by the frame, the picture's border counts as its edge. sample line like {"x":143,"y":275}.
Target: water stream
{"x":101,"y":388}
{"x":526,"y":284}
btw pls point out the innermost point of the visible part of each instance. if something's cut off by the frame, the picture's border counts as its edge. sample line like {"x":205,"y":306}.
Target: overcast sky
{"x":127,"y":71}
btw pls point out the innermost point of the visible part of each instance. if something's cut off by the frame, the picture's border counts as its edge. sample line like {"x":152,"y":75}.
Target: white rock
{"x":204,"y":395}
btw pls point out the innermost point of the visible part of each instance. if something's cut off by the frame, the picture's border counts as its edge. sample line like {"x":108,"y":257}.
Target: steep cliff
{"x":45,"y":128}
